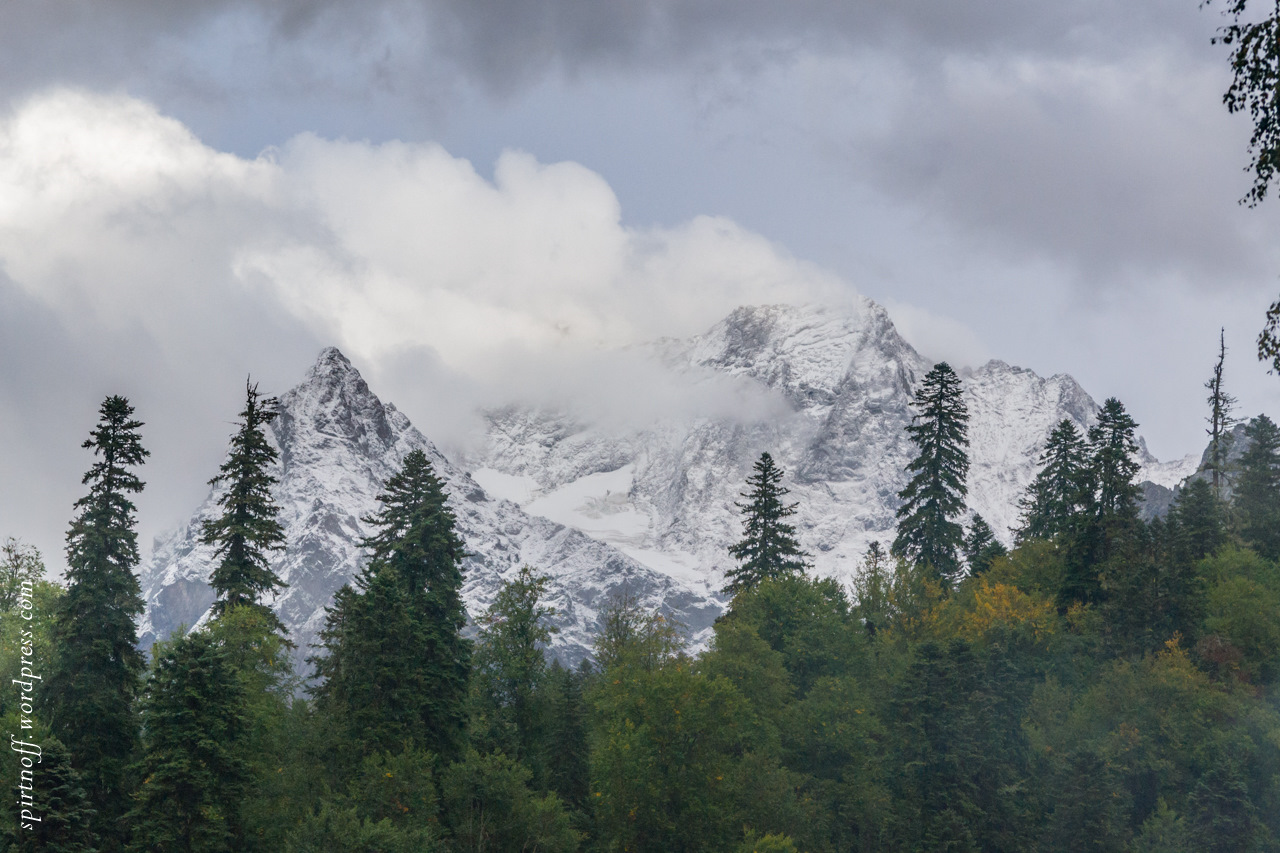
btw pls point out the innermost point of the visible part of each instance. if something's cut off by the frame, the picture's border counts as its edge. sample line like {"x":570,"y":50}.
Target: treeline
{"x":1107,"y":685}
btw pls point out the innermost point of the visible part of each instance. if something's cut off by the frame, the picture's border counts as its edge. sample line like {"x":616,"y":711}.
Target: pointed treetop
{"x":769,"y":549}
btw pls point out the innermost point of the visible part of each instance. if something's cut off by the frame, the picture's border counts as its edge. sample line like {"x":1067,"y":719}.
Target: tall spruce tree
{"x":1110,"y":517}
{"x":1060,"y":490}
{"x":192,"y":777}
{"x":394,"y":664}
{"x":95,"y":673}
{"x":934,"y":497}
{"x":768,"y":548}
{"x":1113,"y":462}
{"x":1257,"y":488}
{"x":247,"y":529}
{"x":1220,"y":420}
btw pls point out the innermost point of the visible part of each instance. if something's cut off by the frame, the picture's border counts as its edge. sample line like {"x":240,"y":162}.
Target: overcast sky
{"x":450,"y":190}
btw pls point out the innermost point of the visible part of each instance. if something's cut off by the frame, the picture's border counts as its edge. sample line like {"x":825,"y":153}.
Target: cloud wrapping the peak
{"x":161,"y":268}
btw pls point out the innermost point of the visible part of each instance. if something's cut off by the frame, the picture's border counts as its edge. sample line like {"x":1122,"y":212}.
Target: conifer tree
{"x":94,"y":676}
{"x":1113,"y":452}
{"x":192,"y":776}
{"x":395,"y":665}
{"x":1220,"y":420}
{"x":934,"y":497}
{"x":65,"y":813}
{"x":1257,"y":490}
{"x":1111,"y":514}
{"x":768,"y":548}
{"x":247,"y":529}
{"x":1200,"y":526}
{"x":1060,"y":490}
{"x":981,"y":546}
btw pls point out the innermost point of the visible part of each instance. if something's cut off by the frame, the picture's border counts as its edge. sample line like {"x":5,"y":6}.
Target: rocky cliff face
{"x":844,"y":382}
{"x":649,"y":509}
{"x":338,"y":444}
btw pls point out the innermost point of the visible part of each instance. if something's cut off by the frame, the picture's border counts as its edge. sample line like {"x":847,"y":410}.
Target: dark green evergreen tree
{"x":1257,"y":488}
{"x":1113,"y":460}
{"x":1110,"y":520}
{"x":1201,"y":525}
{"x":247,"y":530}
{"x":1060,"y":491}
{"x":566,"y":748}
{"x":65,"y":814}
{"x":1220,"y":421}
{"x":768,"y":548}
{"x":95,"y":673}
{"x":981,"y":547}
{"x":394,"y":664}
{"x":192,"y":776}
{"x":934,"y":497}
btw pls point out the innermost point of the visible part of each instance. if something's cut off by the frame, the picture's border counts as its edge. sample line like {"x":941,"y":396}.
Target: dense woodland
{"x":1107,"y":685}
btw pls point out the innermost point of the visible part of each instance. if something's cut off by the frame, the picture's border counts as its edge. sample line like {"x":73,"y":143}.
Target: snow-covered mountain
{"x":338,"y":445}
{"x":604,"y":507}
{"x":664,"y":493}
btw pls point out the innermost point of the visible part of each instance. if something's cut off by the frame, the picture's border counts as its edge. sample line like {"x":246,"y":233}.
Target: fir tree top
{"x":1060,"y":489}
{"x":247,"y":528}
{"x":104,"y":528}
{"x":935,"y":494}
{"x":768,"y":548}
{"x":416,"y":532}
{"x":1114,"y":463}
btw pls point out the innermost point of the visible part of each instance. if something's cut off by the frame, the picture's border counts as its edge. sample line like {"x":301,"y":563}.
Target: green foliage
{"x":934,"y":496}
{"x":388,"y":806}
{"x":192,"y":774}
{"x":488,"y":806}
{"x":510,"y":667}
{"x":631,"y":636}
{"x":768,"y":549}
{"x":95,"y":670}
{"x":1243,"y":625}
{"x":566,"y":753}
{"x":61,"y":804}
{"x":247,"y":529}
{"x":394,"y":665}
{"x":277,"y":767}
{"x":981,"y":548}
{"x":1252,"y":40}
{"x":958,"y":740}
{"x":667,"y":741}
{"x":808,"y":622}
{"x":768,"y":843}
{"x":1257,"y":489}
{"x":334,"y":829}
{"x":1164,"y":832}
{"x":1109,"y":522}
{"x":20,"y":569}
{"x":1061,"y":490}
{"x":1200,"y":518}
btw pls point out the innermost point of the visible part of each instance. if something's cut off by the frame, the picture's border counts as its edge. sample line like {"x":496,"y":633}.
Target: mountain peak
{"x":330,"y":364}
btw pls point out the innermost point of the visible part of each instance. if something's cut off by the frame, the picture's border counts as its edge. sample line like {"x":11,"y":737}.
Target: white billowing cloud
{"x":136,"y":259}
{"x":426,"y":250}
{"x":114,"y":214}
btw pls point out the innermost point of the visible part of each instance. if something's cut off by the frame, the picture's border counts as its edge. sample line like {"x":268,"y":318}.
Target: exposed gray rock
{"x":338,"y":445}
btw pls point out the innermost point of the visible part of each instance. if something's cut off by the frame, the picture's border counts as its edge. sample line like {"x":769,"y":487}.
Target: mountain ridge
{"x":647,"y":510}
